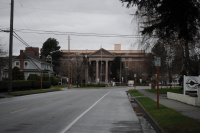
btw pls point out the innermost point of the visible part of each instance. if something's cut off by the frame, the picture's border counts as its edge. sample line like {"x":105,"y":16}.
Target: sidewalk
{"x":185,"y":109}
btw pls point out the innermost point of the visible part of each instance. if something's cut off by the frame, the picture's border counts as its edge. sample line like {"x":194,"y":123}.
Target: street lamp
{"x":49,"y":58}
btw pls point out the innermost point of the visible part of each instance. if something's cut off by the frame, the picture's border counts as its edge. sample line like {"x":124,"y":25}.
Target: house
{"x":29,"y":62}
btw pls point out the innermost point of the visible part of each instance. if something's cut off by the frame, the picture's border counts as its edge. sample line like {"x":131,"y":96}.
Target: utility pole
{"x":68,"y":62}
{"x":10,"y":48}
{"x":101,"y":65}
{"x":120,"y":70}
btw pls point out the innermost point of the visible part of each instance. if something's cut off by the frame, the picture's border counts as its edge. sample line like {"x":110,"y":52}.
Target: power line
{"x":21,"y":40}
{"x":70,"y":11}
{"x":76,"y":33}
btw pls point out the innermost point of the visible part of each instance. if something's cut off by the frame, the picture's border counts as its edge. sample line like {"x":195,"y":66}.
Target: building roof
{"x":111,"y":51}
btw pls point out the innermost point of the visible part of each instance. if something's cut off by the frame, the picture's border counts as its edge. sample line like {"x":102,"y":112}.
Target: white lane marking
{"x":73,"y":122}
{"x":42,"y":95}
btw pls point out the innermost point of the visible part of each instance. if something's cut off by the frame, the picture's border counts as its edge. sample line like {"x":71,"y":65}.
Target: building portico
{"x":99,"y":64}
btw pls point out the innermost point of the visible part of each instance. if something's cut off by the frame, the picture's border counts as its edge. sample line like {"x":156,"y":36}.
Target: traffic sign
{"x":157,"y":61}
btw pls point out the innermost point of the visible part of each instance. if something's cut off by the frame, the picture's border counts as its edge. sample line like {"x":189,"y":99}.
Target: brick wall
{"x":32,"y":50}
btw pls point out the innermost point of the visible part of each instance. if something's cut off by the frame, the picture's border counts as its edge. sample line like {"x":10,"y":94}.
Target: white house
{"x":29,"y":62}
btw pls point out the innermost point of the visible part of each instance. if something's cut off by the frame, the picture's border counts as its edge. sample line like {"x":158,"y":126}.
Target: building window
{"x":140,"y":66}
{"x":17,"y":63}
{"x":126,"y":64}
{"x":25,"y":64}
{"x":133,"y":65}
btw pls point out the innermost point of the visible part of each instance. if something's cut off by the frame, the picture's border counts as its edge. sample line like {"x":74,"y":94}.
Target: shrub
{"x":34,"y":77}
{"x":54,"y":80}
{"x":36,"y":84}
{"x":3,"y":86}
{"x":45,"y":84}
{"x":45,"y":77}
{"x":16,"y":85}
{"x":21,"y":85}
{"x":17,"y":74}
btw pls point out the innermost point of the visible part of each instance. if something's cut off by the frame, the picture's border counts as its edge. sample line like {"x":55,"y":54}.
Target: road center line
{"x":73,"y":122}
{"x":18,"y":111}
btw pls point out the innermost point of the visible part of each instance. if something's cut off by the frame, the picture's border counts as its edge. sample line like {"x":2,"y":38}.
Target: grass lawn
{"x":135,"y":93}
{"x":165,"y":90}
{"x":21,"y":93}
{"x":169,"y":119}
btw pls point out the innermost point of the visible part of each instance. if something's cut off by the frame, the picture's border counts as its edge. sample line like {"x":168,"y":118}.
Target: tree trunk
{"x":187,"y":61}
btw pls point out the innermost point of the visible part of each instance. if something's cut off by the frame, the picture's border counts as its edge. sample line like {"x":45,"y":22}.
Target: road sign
{"x":191,"y":83}
{"x":157,"y":61}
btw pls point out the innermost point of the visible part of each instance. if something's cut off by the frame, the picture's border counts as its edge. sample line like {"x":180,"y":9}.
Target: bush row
{"x":19,"y":85}
{"x":45,"y":77}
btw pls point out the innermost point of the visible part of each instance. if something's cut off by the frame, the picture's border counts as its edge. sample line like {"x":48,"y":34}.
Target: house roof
{"x":29,"y":56}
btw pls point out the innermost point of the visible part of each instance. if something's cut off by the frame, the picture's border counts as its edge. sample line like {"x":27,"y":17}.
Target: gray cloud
{"x":82,"y":16}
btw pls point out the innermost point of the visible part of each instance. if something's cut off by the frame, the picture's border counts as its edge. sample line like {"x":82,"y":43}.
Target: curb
{"x":151,"y":120}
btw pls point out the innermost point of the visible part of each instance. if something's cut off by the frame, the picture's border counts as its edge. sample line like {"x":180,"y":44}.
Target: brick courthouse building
{"x":97,"y":66}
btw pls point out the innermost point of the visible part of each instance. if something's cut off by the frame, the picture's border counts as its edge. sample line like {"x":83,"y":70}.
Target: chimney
{"x":43,"y":58}
{"x":117,"y":46}
{"x":21,"y":59}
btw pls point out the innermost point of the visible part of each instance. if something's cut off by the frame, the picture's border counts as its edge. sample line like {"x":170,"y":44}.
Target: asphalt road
{"x":70,"y":111}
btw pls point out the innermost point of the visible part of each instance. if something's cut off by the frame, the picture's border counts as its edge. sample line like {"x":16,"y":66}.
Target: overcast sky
{"x":79,"y":16}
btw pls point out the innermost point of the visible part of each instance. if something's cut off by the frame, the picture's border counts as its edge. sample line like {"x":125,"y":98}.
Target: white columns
{"x":97,"y":71}
{"x":106,"y":76}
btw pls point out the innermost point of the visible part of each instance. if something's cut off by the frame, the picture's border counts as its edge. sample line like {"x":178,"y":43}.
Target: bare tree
{"x":3,"y":58}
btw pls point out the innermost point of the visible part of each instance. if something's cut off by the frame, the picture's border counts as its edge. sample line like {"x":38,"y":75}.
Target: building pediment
{"x":102,"y":52}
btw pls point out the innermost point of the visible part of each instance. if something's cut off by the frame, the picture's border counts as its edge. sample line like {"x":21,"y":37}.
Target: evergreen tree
{"x":51,"y":47}
{"x":170,"y":18}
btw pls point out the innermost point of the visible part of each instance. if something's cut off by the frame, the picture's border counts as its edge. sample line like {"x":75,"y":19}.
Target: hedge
{"x":45,"y":84}
{"x":20,"y":85}
{"x":45,"y":77}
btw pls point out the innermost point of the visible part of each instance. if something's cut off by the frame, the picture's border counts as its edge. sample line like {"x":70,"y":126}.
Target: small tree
{"x":53,"y":79}
{"x":17,"y":74}
{"x":115,"y":69}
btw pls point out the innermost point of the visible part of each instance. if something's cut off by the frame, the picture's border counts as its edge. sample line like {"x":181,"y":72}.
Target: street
{"x":104,"y":110}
